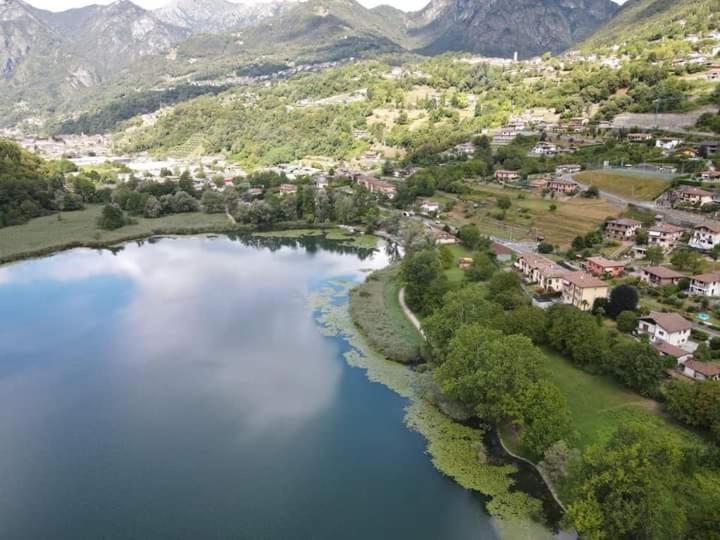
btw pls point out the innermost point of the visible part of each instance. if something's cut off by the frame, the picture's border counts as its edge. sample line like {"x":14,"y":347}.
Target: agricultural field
{"x":531,"y":215}
{"x":639,"y":186}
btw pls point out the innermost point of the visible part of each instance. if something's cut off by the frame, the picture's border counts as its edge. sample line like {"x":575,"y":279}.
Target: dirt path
{"x":409,"y":314}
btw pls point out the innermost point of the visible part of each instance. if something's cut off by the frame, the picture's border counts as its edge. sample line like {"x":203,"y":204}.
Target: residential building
{"x":639,"y":137}
{"x":710,"y":176}
{"x":693,"y":195}
{"x":288,"y":189}
{"x":701,"y":371}
{"x":562,"y":186}
{"x":668,"y":144}
{"x":541,"y":271}
{"x":581,"y":290}
{"x":544,"y":149}
{"x":664,"y":235}
{"x":666,"y":349}
{"x":600,"y":266}
{"x":705,"y":285}
{"x":539,"y":181}
{"x":622,"y":229}
{"x":660,"y":276}
{"x":502,"y":253}
{"x":669,"y":327}
{"x":705,"y":236}
{"x":443,"y":238}
{"x":373,"y":185}
{"x":507,"y":176}
{"x":709,"y":148}
{"x":430,"y":207}
{"x":465,"y":263}
{"x":571,"y":168}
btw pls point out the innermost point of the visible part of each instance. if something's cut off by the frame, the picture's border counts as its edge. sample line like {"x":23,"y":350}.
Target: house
{"x":705,"y":285}
{"x":710,"y":176}
{"x":288,"y":189}
{"x":668,"y":144}
{"x":660,"y":276}
{"x":255,"y":192}
{"x":666,"y":349}
{"x":562,"y":186}
{"x":373,"y":185}
{"x":502,"y":253}
{"x":709,"y":148}
{"x":600,"y":266}
{"x":701,"y":371}
{"x":544,"y":149}
{"x":639,"y":137}
{"x":507,"y":176}
{"x":705,"y":236}
{"x":443,"y":238}
{"x":581,"y":290}
{"x":430,"y":207}
{"x":669,"y":327}
{"x":321,"y":182}
{"x":570,"y":168}
{"x":539,"y":181}
{"x":542,"y":271}
{"x":465,"y":263}
{"x":622,"y":229}
{"x":693,"y":195}
{"x":664,"y":236}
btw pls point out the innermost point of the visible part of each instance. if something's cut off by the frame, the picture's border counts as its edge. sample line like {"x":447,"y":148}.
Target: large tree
{"x":489,"y":371}
{"x":627,"y":489}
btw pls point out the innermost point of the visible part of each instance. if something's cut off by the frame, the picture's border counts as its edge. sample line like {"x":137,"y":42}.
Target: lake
{"x":183,"y":389}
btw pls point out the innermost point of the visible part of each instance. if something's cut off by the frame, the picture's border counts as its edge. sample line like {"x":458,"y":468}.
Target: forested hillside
{"x":647,"y":20}
{"x":28,"y":185}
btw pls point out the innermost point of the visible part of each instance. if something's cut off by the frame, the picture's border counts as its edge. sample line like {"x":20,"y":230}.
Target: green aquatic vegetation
{"x":456,"y":450}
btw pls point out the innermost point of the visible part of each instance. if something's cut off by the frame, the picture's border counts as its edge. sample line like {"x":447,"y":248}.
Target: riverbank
{"x":69,"y":230}
{"x":457,"y":449}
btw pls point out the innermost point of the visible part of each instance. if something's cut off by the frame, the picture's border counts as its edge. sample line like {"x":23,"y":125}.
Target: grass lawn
{"x":454,"y":274}
{"x":48,"y":233}
{"x":598,"y":404}
{"x":645,"y":187}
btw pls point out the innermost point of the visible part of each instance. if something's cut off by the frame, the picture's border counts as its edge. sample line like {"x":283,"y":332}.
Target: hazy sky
{"x":59,"y":5}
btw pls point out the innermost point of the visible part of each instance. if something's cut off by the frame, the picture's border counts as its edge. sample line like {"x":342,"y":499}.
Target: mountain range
{"x":48,"y":59}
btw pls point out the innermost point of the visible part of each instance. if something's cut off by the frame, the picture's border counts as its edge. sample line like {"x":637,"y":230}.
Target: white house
{"x":705,"y":285}
{"x":705,"y":236}
{"x":430,"y":207}
{"x":544,"y":149}
{"x":668,"y":144}
{"x":668,"y":327}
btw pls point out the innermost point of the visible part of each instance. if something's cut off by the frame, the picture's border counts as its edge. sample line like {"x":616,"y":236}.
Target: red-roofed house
{"x":693,"y":195}
{"x":622,"y":229}
{"x":581,"y":290}
{"x":705,"y":285}
{"x":702,"y":371}
{"x":664,"y":235}
{"x":705,"y":236}
{"x":660,"y":276}
{"x":600,"y":266}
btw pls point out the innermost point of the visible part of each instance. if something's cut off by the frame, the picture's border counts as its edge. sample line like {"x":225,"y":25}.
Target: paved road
{"x":673,"y":216}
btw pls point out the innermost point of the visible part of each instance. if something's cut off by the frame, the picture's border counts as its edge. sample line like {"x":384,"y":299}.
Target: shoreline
{"x":161,"y":231}
{"x":556,"y":510}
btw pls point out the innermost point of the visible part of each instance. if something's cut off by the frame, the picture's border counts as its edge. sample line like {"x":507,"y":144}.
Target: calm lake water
{"x":182,"y":389}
